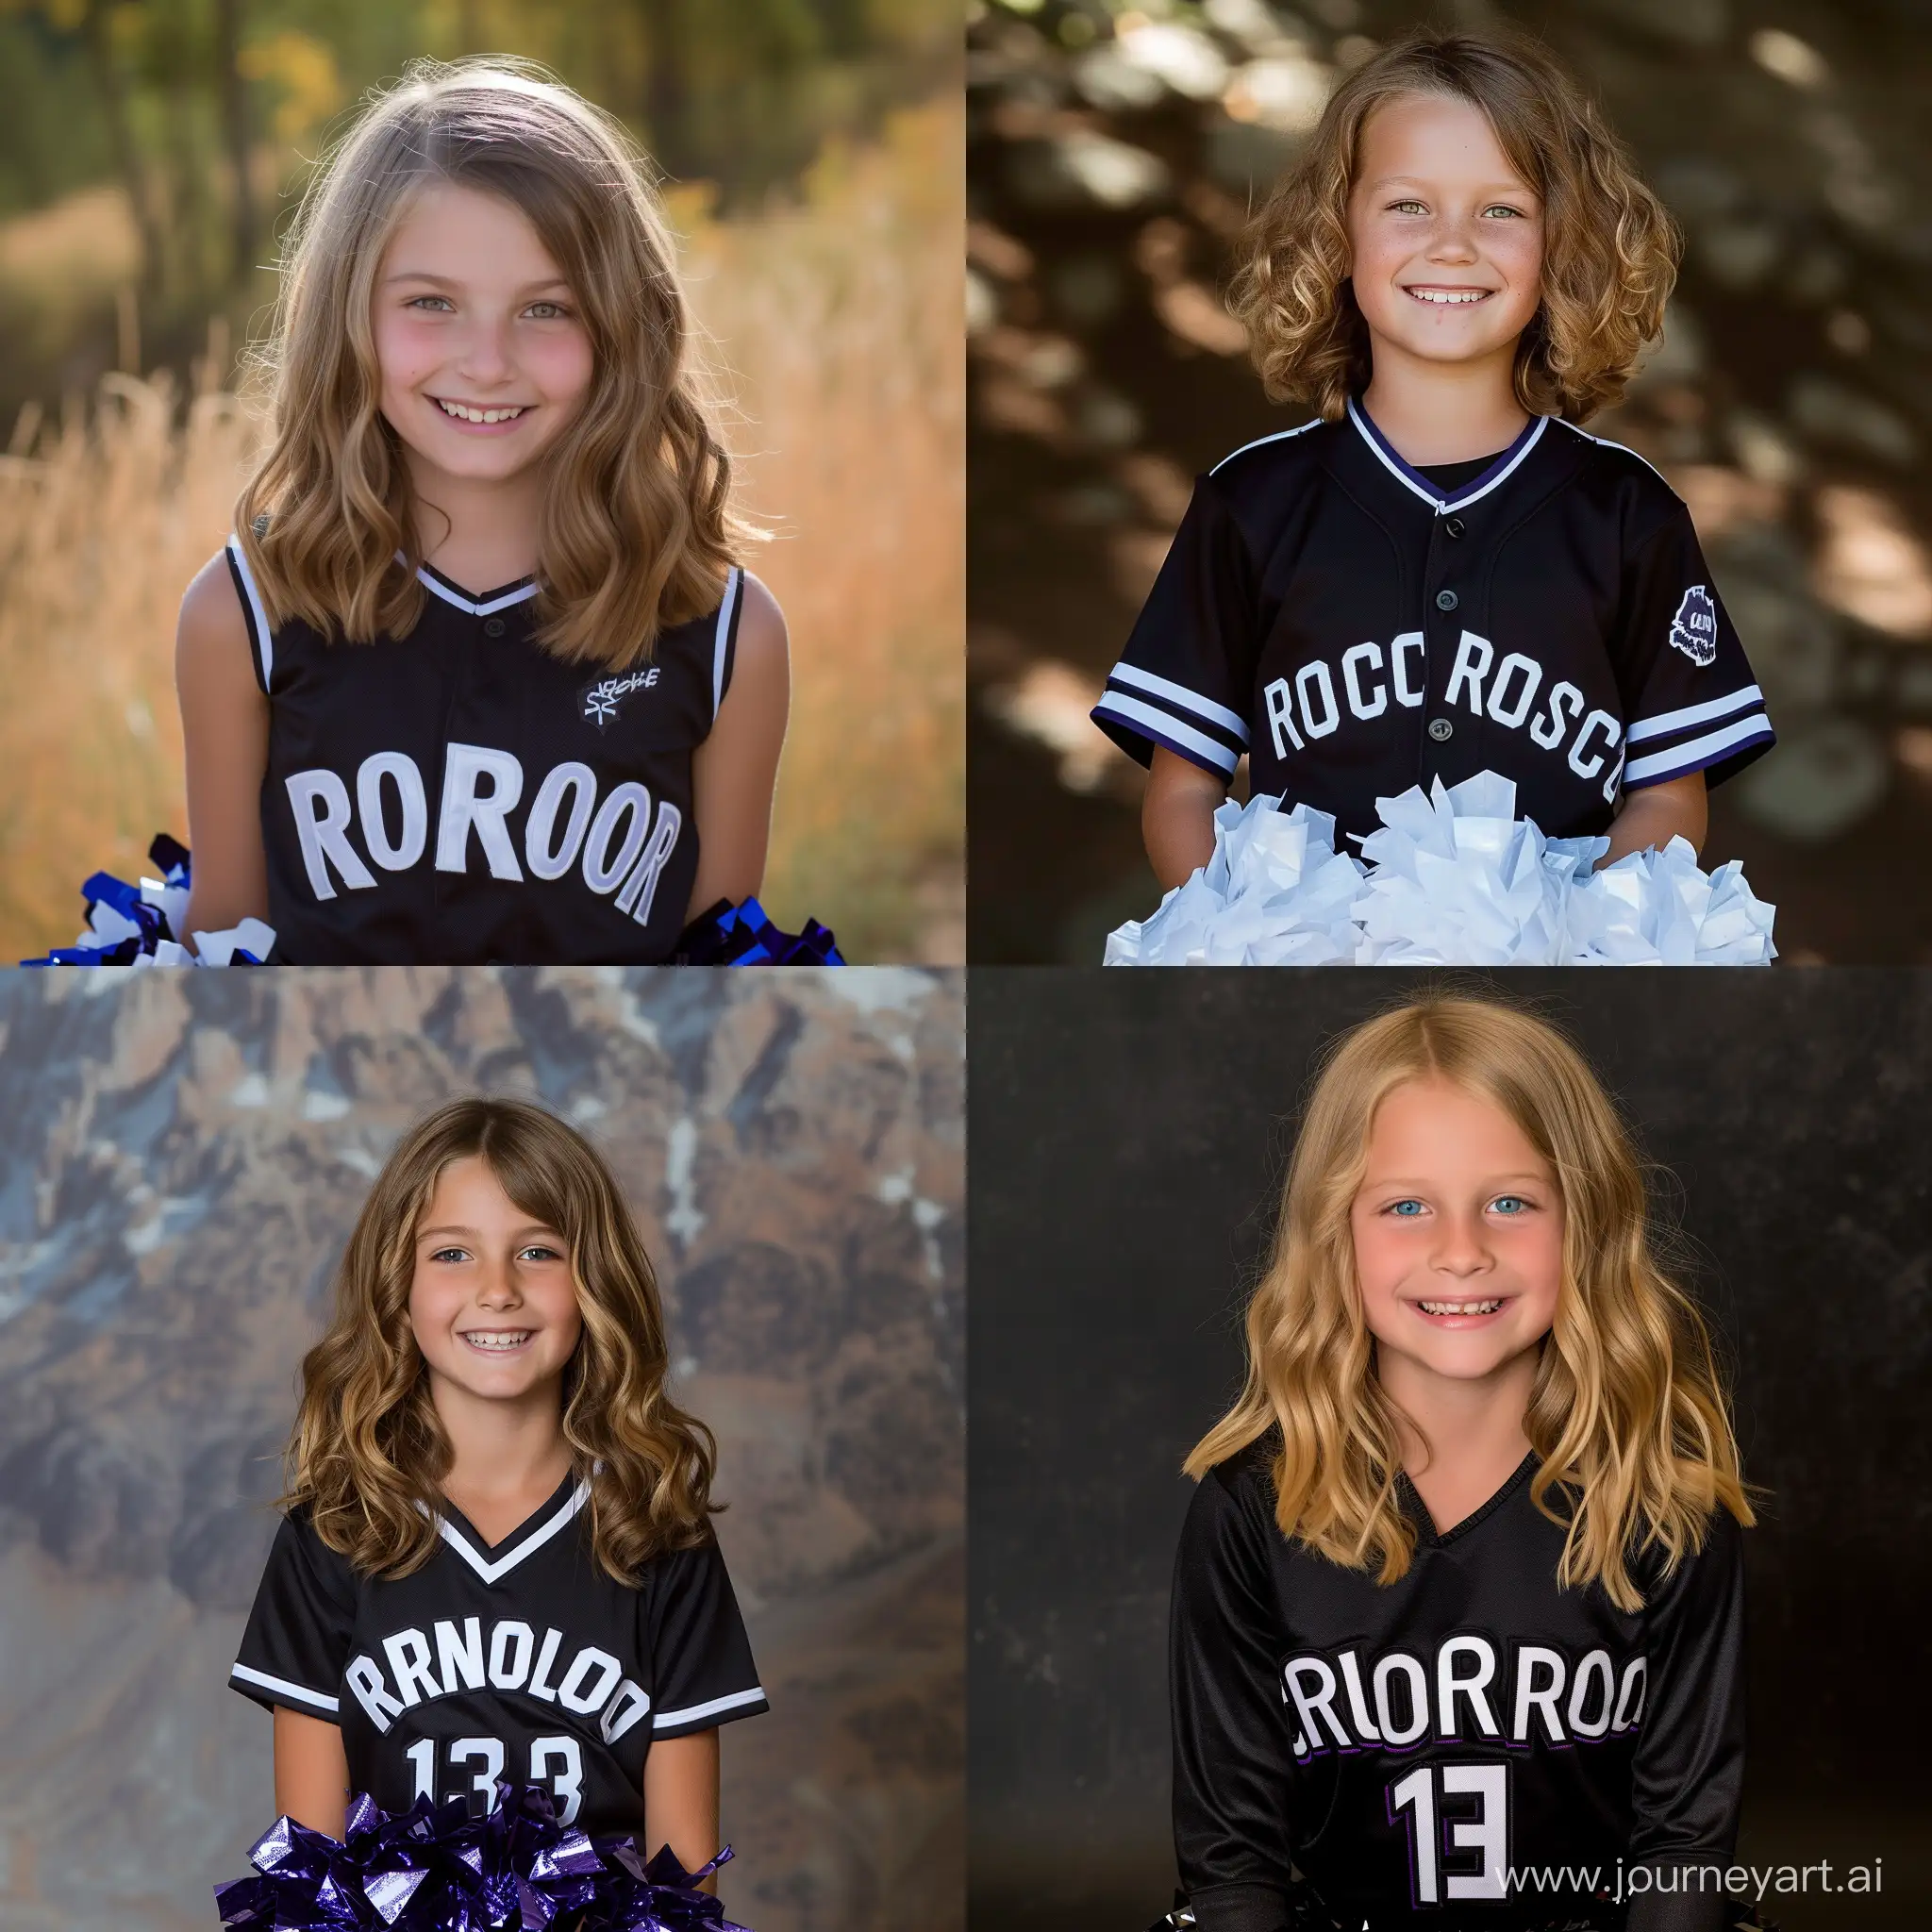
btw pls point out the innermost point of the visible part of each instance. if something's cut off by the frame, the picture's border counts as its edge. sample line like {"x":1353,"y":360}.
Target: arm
{"x":1677,"y":808}
{"x":681,"y":1798}
{"x":1177,"y":816}
{"x":311,"y":1772}
{"x":225,"y":732}
{"x":735,"y":771}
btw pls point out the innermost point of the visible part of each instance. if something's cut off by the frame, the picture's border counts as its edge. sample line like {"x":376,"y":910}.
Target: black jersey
{"x":1356,"y":630}
{"x":524,"y":1661}
{"x":1436,"y":1752}
{"x":461,"y":798}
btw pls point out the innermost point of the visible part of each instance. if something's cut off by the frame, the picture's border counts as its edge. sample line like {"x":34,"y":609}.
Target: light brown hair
{"x":1610,"y":248}
{"x":637,"y":529}
{"x":1626,"y":1416}
{"x":369,"y":1454}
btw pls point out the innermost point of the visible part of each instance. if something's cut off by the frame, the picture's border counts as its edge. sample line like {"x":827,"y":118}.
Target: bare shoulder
{"x":762,"y":635}
{"x":211,"y":629}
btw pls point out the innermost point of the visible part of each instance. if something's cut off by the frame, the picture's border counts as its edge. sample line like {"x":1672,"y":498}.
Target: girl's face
{"x":473,"y":321}
{"x":1459,"y":1235}
{"x":492,"y":1306}
{"x":1447,"y":239}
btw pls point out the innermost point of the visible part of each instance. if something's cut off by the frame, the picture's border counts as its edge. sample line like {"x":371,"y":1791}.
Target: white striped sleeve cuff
{"x":1750,"y":732}
{"x":1139,"y":709}
{"x":280,"y":1691}
{"x":697,"y":1716}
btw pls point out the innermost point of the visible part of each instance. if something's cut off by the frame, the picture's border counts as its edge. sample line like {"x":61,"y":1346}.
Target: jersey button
{"x":1440,"y":728}
{"x":493,"y":626}
{"x":1445,"y":600}
{"x":1452,"y":527}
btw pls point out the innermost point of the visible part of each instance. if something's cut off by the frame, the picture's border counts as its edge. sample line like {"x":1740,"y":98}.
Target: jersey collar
{"x":453,"y":593}
{"x":1409,"y":478}
{"x":491,"y":1562}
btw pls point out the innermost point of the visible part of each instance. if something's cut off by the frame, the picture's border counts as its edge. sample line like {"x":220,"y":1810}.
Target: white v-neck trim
{"x":489,"y":1572}
{"x":519,"y":594}
{"x":1493,"y":478}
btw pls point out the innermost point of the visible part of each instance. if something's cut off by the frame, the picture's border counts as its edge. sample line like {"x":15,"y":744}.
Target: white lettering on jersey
{"x":464,"y":808}
{"x":364,"y":1677}
{"x":587,"y":1685}
{"x":1279,"y":699}
{"x":1612,"y":732}
{"x":1317,"y":672}
{"x":400,"y":854}
{"x":625,"y":844}
{"x":408,"y":1656}
{"x":632,"y":1704}
{"x":510,"y":1647}
{"x":1364,"y":705}
{"x":1450,"y":1686}
{"x":460,"y":1662}
{"x":1408,"y":1696}
{"x":1564,"y":704}
{"x":1409,"y":695}
{"x":1515,"y":710}
{"x":1473,"y":657}
{"x":321,"y":803}
{"x":540,"y":1686}
{"x":547,"y":861}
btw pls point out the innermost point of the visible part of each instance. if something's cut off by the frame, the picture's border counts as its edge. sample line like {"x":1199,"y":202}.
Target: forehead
{"x":1435,"y":1123}
{"x":1432,"y":137}
{"x":461,"y":234}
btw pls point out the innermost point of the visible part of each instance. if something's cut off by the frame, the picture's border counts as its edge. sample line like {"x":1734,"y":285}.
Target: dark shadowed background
{"x":1113,"y":152}
{"x":181,"y":1158}
{"x":1128,"y":1134}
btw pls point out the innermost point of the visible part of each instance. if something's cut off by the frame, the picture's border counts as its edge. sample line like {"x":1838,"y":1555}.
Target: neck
{"x":1443,"y":412}
{"x":1461,"y":1423}
{"x":481,"y":533}
{"x":503,"y":1448}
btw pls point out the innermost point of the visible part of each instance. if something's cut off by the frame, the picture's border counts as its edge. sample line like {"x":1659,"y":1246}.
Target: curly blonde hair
{"x":1610,"y":248}
{"x":1626,"y":1417}
{"x":368,"y":1455}
{"x":637,"y":528}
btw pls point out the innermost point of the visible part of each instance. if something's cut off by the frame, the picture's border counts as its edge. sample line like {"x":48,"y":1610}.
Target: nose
{"x":497,"y":1286}
{"x":1454,"y":239}
{"x":1460,"y":1250}
{"x":483,"y":356}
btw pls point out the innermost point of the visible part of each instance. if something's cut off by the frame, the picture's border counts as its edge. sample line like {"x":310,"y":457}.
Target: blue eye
{"x":450,"y":1255}
{"x":1406,"y":1210}
{"x":1510,"y":1204}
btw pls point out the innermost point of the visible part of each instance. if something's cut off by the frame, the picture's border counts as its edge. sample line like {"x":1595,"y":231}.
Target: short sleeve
{"x":297,"y":1639}
{"x":1689,"y":698}
{"x":1233,"y":1754}
{"x":701,"y":1660}
{"x":1181,"y":681}
{"x":1688,"y":1777}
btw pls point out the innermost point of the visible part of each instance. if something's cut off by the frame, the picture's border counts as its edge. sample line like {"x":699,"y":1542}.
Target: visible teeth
{"x":470,"y":415}
{"x":1445,"y":296}
{"x":482,"y":1339}
{"x":1459,"y":1307}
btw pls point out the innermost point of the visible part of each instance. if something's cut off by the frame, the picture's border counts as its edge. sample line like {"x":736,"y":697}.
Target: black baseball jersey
{"x":1357,"y":628}
{"x":461,"y":798}
{"x":524,"y":1661}
{"x":1434,"y":1754}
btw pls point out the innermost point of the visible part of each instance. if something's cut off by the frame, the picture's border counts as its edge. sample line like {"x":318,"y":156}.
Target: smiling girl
{"x":1457,"y":1633}
{"x":498,"y":1559}
{"x":1442,"y":573}
{"x":478,"y":677}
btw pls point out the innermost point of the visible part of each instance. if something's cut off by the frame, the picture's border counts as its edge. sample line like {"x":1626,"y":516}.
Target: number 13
{"x":565,"y":1781}
{"x":1487,"y":1832}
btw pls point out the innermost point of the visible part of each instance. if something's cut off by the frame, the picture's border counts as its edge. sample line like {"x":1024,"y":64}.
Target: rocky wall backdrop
{"x":181,"y":1158}
{"x":1115,"y":147}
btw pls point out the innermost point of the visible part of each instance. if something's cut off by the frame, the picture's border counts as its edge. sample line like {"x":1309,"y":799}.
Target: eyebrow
{"x":1526,"y":1173}
{"x":1417,"y":181}
{"x":424,"y":1234}
{"x":424,"y":274}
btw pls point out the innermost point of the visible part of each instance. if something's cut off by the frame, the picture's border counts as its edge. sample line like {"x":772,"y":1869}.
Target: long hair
{"x":368,"y":1455}
{"x":637,"y":528}
{"x":1610,"y":248}
{"x":1627,"y":1417}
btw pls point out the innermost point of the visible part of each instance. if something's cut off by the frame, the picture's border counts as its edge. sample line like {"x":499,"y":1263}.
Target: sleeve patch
{"x":1693,"y":630}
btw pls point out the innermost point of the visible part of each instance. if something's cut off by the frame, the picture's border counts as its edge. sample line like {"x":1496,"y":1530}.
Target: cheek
{"x":562,"y":366}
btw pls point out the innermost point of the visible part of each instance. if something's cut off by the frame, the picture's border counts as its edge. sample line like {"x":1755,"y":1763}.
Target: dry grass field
{"x":836,"y":326}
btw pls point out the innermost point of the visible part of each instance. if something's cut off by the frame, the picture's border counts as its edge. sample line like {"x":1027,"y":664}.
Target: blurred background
{"x":150,"y":152}
{"x":1114,"y":154}
{"x":184,"y":1156}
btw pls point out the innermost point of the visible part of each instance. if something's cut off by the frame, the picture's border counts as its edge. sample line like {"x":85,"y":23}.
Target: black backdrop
{"x":1127,"y":1135}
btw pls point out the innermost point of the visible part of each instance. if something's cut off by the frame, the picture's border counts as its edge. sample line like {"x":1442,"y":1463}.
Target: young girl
{"x":498,"y":1559}
{"x":1442,"y":573}
{"x":1457,"y":1629}
{"x":477,"y":677}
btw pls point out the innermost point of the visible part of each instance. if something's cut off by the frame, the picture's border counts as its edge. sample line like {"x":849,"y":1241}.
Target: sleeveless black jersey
{"x":461,"y":798}
{"x":1469,"y":1747}
{"x":1355,"y":629}
{"x":524,"y":1661}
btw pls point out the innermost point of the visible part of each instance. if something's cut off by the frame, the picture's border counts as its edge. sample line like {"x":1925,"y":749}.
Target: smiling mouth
{"x":497,"y":1341}
{"x":468,"y":412}
{"x":1487,"y":1306}
{"x":1450,"y":298}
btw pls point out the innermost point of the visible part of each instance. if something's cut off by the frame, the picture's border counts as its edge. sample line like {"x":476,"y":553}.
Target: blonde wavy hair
{"x":637,"y":528}
{"x":369,"y":1454}
{"x":1610,"y":248}
{"x":1626,"y":1417}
